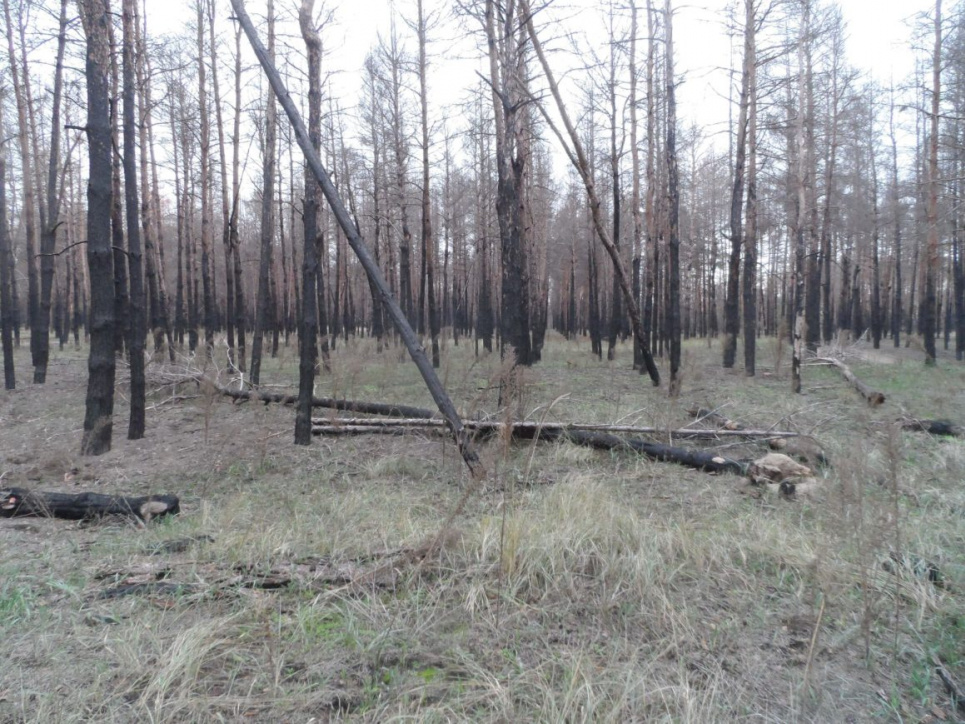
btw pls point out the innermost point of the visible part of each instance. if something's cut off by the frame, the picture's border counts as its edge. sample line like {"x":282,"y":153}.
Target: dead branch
{"x":873,"y":397}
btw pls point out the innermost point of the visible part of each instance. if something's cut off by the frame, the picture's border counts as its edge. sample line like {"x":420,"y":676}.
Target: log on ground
{"x":872,"y":396}
{"x":16,"y":502}
{"x":699,"y":459}
{"x":369,"y":408}
{"x":359,"y":425}
{"x":934,"y":427}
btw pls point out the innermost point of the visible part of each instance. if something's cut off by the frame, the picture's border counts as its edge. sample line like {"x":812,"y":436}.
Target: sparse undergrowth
{"x":575,"y":586}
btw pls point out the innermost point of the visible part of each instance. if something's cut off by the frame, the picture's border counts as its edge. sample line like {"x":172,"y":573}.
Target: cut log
{"x":934,"y":427}
{"x":872,"y":396}
{"x":357,"y":425}
{"x":16,"y":502}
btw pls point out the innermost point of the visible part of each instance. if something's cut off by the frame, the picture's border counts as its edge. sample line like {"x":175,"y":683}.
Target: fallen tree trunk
{"x":934,"y":427}
{"x":532,"y":429}
{"x":369,"y":408}
{"x":699,"y":459}
{"x":15,"y":502}
{"x":873,"y":397}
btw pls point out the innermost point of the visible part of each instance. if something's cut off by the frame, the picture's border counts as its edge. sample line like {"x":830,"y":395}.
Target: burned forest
{"x":491,"y":360}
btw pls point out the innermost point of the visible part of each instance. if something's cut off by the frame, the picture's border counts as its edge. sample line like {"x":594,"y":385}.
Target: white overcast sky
{"x":879,"y":41}
{"x":879,"y":38}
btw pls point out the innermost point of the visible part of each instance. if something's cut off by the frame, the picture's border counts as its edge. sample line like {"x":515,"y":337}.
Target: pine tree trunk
{"x":749,"y":279}
{"x":6,"y":272}
{"x":98,"y":420}
{"x":308,"y":332}
{"x":263,"y":303}
{"x":135,"y":429}
{"x":929,"y":311}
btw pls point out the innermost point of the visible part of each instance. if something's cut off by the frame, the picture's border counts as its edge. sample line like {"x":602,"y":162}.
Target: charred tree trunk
{"x":308,"y":333}
{"x":673,"y":212}
{"x":204,"y":143}
{"x":6,"y":272}
{"x":50,"y":212}
{"x":263,"y":304}
{"x":929,"y":311}
{"x":135,"y":430}
{"x":732,"y":300}
{"x":29,"y":202}
{"x":98,"y":420}
{"x":749,"y":279}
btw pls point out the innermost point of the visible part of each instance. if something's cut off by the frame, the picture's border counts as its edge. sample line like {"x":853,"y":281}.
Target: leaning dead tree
{"x":578,"y":158}
{"x":438,"y":392}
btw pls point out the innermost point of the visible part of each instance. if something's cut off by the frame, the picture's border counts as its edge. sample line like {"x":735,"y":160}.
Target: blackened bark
{"x":50,"y":212}
{"x":135,"y":430}
{"x":98,"y":420}
{"x":233,"y":233}
{"x":263,"y":303}
{"x":673,"y":213}
{"x":122,"y":298}
{"x":749,"y":280}
{"x":6,"y":272}
{"x":732,"y":299}
{"x":896,"y":204}
{"x":929,"y":312}
{"x":29,"y":204}
{"x":593,"y":311}
{"x":16,"y":502}
{"x":207,"y":293}
{"x":308,"y":333}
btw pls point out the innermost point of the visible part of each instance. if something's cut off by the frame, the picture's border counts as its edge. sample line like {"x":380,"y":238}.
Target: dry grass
{"x":576,"y":586}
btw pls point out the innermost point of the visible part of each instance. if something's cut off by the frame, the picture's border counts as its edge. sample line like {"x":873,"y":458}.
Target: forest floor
{"x":576,"y":585}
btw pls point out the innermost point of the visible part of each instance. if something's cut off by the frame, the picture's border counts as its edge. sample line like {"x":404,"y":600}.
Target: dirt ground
{"x":576,"y":585}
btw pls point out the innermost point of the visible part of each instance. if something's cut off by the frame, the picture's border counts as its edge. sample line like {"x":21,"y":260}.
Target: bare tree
{"x":308,"y":333}
{"x":930,"y":301}
{"x":263,"y":302}
{"x":98,"y":420}
{"x":135,"y":429}
{"x":6,"y":272}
